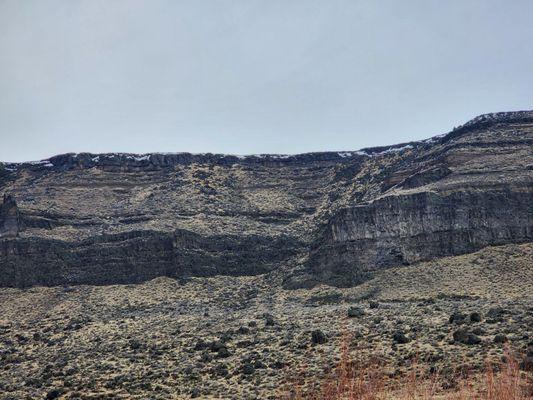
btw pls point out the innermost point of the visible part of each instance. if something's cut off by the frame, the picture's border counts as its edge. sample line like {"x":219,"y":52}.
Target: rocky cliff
{"x":406,"y":228}
{"x":331,"y":217}
{"x":9,"y":218}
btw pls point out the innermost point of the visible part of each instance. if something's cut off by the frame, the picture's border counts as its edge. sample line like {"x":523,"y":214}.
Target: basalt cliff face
{"x":9,"y":218}
{"x":331,"y":217}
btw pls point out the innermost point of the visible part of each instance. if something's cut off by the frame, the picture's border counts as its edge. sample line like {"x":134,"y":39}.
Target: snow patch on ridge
{"x":345,"y":154}
{"x":395,"y":150}
{"x":499,"y":117}
{"x":434,"y":139}
{"x":44,"y":163}
{"x":140,"y":157}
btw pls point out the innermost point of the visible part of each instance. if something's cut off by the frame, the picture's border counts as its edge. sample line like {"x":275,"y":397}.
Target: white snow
{"x":395,"y":149}
{"x":44,"y":163}
{"x":144,"y":157}
{"x":345,"y":154}
{"x":434,"y":138}
{"x":506,"y":115}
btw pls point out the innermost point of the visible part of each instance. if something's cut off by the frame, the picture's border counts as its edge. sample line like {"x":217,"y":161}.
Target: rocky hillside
{"x":333,"y":217}
{"x":244,"y":337}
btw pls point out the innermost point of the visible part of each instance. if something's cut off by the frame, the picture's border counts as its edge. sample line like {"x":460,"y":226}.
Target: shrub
{"x":367,"y":380}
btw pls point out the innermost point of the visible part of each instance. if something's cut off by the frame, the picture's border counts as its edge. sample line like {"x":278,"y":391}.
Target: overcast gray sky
{"x":245,"y":76}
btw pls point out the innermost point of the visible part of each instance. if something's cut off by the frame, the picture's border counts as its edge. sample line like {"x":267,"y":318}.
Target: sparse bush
{"x":368,"y":380}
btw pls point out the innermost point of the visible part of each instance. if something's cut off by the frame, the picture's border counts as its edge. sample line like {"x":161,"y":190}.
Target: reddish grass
{"x":356,"y":380}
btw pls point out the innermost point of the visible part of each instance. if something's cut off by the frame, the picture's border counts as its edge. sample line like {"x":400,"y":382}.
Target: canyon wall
{"x":332,"y":217}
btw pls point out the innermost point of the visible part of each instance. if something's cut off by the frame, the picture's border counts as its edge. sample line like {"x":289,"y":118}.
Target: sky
{"x":253,"y":76}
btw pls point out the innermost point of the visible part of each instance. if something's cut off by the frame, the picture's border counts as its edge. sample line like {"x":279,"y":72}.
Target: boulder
{"x":457,"y":318}
{"x":464,"y":336}
{"x":500,"y":338}
{"x":355,"y":312}
{"x":318,"y":337}
{"x":400,"y":337}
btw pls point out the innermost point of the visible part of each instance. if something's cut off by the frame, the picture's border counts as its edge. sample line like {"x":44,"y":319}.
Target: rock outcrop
{"x":9,"y":218}
{"x":333,"y":217}
{"x":406,"y":228}
{"x":137,"y":256}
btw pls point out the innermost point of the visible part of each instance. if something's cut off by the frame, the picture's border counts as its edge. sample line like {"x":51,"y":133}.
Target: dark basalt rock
{"x":137,"y":256}
{"x":355,"y":312}
{"x":425,"y":177}
{"x":457,"y":318}
{"x":500,"y":338}
{"x":331,"y":217}
{"x":318,"y":337}
{"x":10,"y":221}
{"x":404,"y":229}
{"x":465,"y":337}
{"x":400,"y":337}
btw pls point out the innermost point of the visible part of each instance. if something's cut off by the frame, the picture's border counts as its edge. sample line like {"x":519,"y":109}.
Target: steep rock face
{"x":404,"y":229}
{"x":330,"y":217}
{"x":136,"y":257}
{"x":469,"y":189}
{"x":9,"y":218}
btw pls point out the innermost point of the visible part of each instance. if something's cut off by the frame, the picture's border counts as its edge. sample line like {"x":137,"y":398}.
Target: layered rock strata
{"x":331,"y":217}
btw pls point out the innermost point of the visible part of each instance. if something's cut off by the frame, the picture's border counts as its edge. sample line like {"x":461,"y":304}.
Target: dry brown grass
{"x":357,"y":380}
